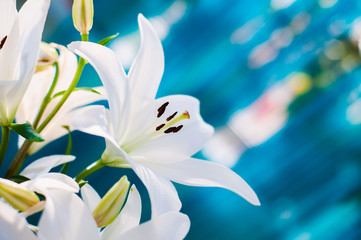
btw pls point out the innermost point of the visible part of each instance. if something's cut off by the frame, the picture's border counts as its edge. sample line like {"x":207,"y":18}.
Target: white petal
{"x":7,"y":16}
{"x":66,"y":217}
{"x":128,"y":218}
{"x":163,"y":195}
{"x":34,"y":95}
{"x":90,"y":197}
{"x":43,"y":165}
{"x":95,"y":120}
{"x":169,"y":226}
{"x":23,"y":40}
{"x":174,"y":147}
{"x":52,"y":181}
{"x":195,"y":172}
{"x":111,"y":73}
{"x":5,"y":113}
{"x":68,"y":64}
{"x":13,"y":225}
{"x":147,"y":69}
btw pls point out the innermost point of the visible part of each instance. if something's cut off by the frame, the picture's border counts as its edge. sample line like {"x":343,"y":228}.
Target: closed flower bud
{"x":47,"y":56}
{"x":16,"y":195}
{"x":83,"y":15}
{"x":110,"y":205}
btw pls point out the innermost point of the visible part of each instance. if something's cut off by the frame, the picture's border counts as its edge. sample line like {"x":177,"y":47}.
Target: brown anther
{"x":171,"y":116}
{"x":170,"y":130}
{"x":159,"y":127}
{"x":3,"y":42}
{"x":173,"y":129}
{"x":161,"y":109}
{"x":178,"y":128}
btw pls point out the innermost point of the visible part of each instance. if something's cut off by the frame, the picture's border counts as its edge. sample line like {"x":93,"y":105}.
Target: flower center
{"x":2,"y":43}
{"x":169,"y":124}
{"x":157,"y":128}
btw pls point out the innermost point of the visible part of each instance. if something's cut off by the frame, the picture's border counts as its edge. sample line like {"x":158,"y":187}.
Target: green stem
{"x":21,"y":154}
{"x":89,"y":170}
{"x":18,"y":159}
{"x":5,"y":135}
{"x":47,"y":98}
{"x":68,"y":150}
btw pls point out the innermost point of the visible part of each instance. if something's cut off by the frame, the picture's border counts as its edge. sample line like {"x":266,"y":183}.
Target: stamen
{"x":161,"y":109}
{"x":178,"y":128}
{"x":3,"y":42}
{"x":160,"y":127}
{"x":171,"y":116}
{"x":173,"y":129}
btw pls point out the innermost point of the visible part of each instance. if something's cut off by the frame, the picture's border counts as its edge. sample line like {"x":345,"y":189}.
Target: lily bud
{"x":18,"y":196}
{"x":110,"y":205}
{"x":83,"y":15}
{"x":47,"y":56}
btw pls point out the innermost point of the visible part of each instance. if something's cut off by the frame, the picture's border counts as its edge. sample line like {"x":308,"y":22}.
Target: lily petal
{"x":112,"y":74}
{"x":147,"y":68}
{"x":5,"y":88}
{"x":43,"y":165}
{"x":51,"y":181}
{"x":23,"y":40}
{"x":170,"y":226}
{"x":13,"y":225}
{"x":66,"y":217}
{"x":90,"y":197}
{"x":195,"y":172}
{"x":7,"y":16}
{"x":68,"y":64}
{"x":128,"y":218}
{"x":95,"y":120}
{"x":34,"y":95}
{"x":163,"y":195}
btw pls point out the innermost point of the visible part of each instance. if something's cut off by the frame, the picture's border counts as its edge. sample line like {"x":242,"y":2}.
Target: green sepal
{"x":77,"y":89}
{"x":107,"y":40}
{"x":27,"y":131}
{"x":82,"y":183}
{"x":19,"y":178}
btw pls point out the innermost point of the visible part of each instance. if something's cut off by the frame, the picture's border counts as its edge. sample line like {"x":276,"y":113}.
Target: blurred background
{"x":278,"y":79}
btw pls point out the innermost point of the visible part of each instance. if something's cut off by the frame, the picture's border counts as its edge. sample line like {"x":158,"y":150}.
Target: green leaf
{"x":76,"y":89}
{"x":27,"y":131}
{"x":105,"y":41}
{"x":19,"y":178}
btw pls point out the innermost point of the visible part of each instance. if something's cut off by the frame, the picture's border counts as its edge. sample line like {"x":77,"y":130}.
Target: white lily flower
{"x":156,"y":137}
{"x":37,"y":90}
{"x":20,"y":35}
